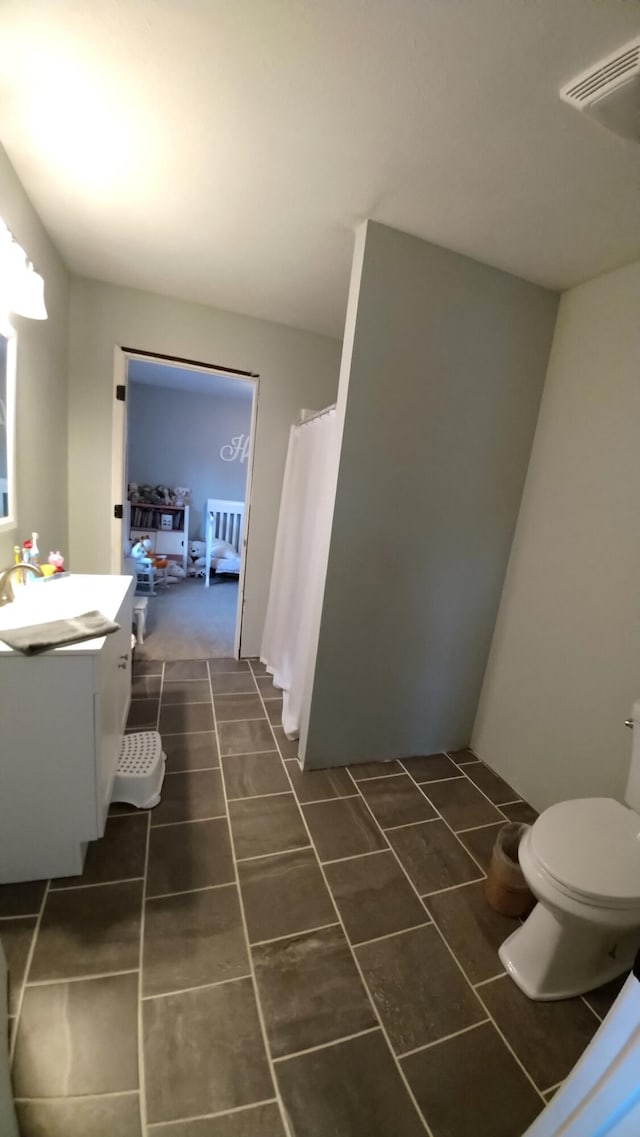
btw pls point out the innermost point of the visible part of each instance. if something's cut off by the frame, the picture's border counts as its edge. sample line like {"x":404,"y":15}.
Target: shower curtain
{"x":299,"y":562}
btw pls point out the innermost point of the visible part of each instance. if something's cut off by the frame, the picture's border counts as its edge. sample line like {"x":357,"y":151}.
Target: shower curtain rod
{"x":318,"y":414}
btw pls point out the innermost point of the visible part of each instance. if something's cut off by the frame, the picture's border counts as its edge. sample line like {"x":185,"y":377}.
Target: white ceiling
{"x":153,"y":374}
{"x":224,"y":151}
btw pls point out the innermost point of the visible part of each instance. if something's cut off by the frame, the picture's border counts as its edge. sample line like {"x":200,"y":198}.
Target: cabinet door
{"x":170,"y":543}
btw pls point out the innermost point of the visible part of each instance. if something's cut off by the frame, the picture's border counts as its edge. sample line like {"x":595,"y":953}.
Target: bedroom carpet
{"x":188,"y":621}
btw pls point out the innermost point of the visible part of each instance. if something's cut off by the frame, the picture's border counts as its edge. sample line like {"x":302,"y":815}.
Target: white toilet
{"x":581,"y":860}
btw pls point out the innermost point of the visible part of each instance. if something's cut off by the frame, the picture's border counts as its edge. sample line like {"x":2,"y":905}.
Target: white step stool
{"x":140,"y":772}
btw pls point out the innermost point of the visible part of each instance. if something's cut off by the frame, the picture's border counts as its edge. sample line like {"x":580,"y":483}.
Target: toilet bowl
{"x":581,"y":860}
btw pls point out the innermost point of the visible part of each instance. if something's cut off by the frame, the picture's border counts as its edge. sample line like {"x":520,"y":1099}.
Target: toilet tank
{"x":632,"y":794}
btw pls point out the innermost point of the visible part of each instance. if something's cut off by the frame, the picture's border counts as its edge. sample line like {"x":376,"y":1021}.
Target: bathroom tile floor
{"x":276,"y":954}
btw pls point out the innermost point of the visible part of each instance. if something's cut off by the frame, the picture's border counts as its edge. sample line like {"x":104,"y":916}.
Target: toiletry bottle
{"x":35,"y":552}
{"x":26,"y":551}
{"x":16,"y":554}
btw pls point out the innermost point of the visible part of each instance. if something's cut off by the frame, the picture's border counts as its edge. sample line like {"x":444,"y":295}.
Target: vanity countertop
{"x":49,"y":598}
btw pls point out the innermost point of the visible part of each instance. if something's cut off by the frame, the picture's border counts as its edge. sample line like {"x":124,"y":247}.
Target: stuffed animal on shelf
{"x":181,"y":495}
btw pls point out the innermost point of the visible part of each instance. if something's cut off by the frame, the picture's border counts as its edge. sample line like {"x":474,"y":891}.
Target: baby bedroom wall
{"x":196,"y":438}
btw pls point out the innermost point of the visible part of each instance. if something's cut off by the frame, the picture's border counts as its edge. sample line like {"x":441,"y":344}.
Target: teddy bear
{"x":181,"y":495}
{"x":134,"y":493}
{"x":197,"y":559}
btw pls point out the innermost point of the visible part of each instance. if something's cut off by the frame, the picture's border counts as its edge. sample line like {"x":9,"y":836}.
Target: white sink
{"x":45,"y":599}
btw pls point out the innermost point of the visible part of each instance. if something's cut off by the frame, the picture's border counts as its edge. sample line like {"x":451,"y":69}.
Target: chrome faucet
{"x":6,"y":589}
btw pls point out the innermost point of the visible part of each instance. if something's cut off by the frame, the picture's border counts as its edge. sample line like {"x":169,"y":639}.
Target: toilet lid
{"x":592,"y":847}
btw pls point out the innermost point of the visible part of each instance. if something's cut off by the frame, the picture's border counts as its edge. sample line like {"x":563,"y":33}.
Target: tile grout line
{"x":392,"y":935}
{"x":447,"y":1037}
{"x":491,"y":979}
{"x":243,"y":917}
{"x":96,"y":883}
{"x":81,"y":1097}
{"x":354,"y":856}
{"x":212,"y":1116}
{"x":405,"y":824}
{"x":451,"y":888}
{"x":281,"y":853}
{"x":197,"y":987}
{"x":188,"y":821}
{"x":356,"y":961}
{"x":33,"y":983}
{"x":187,"y":891}
{"x":294,"y":935}
{"x":593,"y":1011}
{"x":327,"y":1045}
{"x":27,"y":969}
{"x":460,"y":967}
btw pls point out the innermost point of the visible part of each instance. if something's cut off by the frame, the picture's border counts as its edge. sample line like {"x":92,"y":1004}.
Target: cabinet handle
{"x":125,"y":656}
{"x":122,"y":667}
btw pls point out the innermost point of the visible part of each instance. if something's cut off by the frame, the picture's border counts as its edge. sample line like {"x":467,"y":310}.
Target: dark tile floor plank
{"x":88,"y":931}
{"x":432,"y":856}
{"x":182,"y":718}
{"x":420,"y":993}
{"x":310,"y":991}
{"x":119,"y":855}
{"x":236,"y":708}
{"x":472,"y":929}
{"x":374,"y":897}
{"x":145,"y":686}
{"x":603,"y":998}
{"x":342,"y":828}
{"x":60,"y":1052}
{"x":196,"y":751}
{"x":480,"y":842}
{"x":283,"y":895}
{"x":396,"y":801}
{"x":217,"y":666}
{"x":193,"y":855}
{"x":318,"y":785}
{"x":117,"y":1116}
{"x":204,"y":1052}
{"x":185,"y":669}
{"x":548,"y":1038}
{"x":471,"y":1086}
{"x":185,"y":691}
{"x":267,"y":687}
{"x":190,"y":796}
{"x":347,"y":1090}
{"x":461,"y":804}
{"x":143,"y":714}
{"x":22,"y":899}
{"x":249,"y":775}
{"x":193,"y":939}
{"x":273,"y":707}
{"x":288,"y":747}
{"x":227,"y":683}
{"x":265,"y":825}
{"x":363,"y":770}
{"x":495,"y":788}
{"x":521,"y":812}
{"x":16,"y":935}
{"x":251,"y":737}
{"x":431,"y":768}
{"x":255,"y":1121}
{"x":462,"y":757}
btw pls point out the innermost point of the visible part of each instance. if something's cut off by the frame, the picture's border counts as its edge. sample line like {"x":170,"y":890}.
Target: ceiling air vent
{"x":610,"y":91}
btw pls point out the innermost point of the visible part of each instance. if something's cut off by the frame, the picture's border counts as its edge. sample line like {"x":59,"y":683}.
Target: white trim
{"x":11,"y":520}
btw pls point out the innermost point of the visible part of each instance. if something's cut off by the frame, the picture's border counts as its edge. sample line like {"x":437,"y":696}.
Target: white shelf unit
{"x":170,"y":543}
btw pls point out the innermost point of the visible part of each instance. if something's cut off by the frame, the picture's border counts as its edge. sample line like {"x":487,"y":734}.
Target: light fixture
{"x":21,"y":287}
{"x":28,"y":299}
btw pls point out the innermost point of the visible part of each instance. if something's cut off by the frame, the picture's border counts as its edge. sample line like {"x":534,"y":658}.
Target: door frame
{"x":122,"y":355}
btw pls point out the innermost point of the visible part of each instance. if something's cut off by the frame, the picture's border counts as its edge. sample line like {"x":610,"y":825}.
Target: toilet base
{"x":556,"y":958}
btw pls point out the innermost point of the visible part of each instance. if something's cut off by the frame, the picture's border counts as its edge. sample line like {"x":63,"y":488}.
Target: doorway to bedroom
{"x":185,"y":516}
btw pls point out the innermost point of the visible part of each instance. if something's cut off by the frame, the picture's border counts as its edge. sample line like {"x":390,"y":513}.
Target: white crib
{"x":225,"y":525}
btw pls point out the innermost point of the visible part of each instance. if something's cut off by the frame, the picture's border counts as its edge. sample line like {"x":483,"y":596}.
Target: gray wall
{"x":439,"y":403}
{"x":174,"y":439}
{"x":564,"y":668}
{"x":41,"y":384}
{"x":297,"y":369}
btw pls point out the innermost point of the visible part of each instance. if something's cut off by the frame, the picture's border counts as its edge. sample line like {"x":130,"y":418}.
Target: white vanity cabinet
{"x":62,"y":719}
